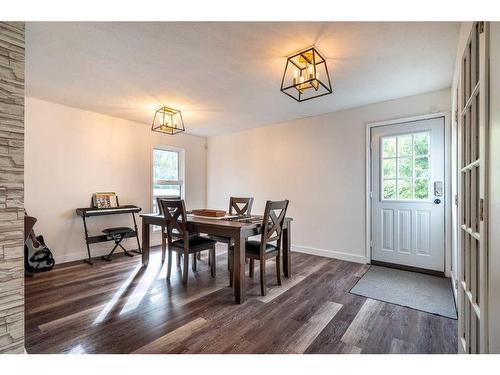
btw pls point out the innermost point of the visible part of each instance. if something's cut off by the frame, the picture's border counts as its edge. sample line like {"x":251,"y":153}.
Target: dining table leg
{"x":239,"y":268}
{"x":145,"y":243}
{"x":287,"y":251}
{"x":163,"y":244}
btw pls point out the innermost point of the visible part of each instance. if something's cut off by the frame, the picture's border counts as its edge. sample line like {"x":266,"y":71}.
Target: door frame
{"x":448,"y":202}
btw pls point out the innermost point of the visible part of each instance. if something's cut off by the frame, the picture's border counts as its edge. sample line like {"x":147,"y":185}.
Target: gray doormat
{"x":418,"y":291}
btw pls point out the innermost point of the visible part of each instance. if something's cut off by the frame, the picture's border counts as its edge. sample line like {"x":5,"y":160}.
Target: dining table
{"x":239,"y":231}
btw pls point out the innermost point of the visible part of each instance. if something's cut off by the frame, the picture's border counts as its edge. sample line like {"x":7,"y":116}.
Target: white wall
{"x":71,"y":153}
{"x":318,"y":163}
{"x":494,"y":190}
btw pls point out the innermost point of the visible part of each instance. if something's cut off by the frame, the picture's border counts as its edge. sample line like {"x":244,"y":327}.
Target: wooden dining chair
{"x":240,"y":207}
{"x":272,"y":229}
{"x":164,"y":238}
{"x":179,"y":240}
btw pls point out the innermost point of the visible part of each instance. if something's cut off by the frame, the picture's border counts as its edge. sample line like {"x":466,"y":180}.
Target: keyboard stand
{"x":92,"y":211}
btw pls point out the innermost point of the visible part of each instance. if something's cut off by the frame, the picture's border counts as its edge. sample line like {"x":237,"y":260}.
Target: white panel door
{"x":407,"y":180}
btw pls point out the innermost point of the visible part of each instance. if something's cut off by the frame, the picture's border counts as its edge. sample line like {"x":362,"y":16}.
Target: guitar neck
{"x":33,"y":237}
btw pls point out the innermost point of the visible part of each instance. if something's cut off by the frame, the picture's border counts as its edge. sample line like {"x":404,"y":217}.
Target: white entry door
{"x":407,"y":180}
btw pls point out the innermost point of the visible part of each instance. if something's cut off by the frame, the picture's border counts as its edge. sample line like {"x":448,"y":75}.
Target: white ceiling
{"x":226,"y":76}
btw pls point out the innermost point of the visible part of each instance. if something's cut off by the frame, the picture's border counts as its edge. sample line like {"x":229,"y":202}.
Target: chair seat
{"x":117,"y":231}
{"x":222,"y":239}
{"x":196,"y":243}
{"x":253,"y":248}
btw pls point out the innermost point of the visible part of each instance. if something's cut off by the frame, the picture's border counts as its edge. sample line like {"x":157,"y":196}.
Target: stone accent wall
{"x":11,"y":187}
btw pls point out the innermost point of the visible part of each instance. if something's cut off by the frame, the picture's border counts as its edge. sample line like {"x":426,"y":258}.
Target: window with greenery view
{"x":406,"y":167}
{"x":166,"y":174}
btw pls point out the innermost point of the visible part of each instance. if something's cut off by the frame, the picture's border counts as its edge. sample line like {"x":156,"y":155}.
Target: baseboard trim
{"x":73,"y":257}
{"x":98,"y":252}
{"x":330,"y":254}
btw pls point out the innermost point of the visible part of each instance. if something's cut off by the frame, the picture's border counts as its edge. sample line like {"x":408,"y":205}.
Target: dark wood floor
{"x":119,"y":307}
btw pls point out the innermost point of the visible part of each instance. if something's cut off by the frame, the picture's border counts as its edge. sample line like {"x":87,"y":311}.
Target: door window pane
{"x":389,"y":168}
{"x":404,"y":145}
{"x":422,"y":167}
{"x":390,"y":189}
{"x":389,"y":147}
{"x":421,"y":144}
{"x":422,"y":188}
{"x":404,"y":189}
{"x":406,"y":166}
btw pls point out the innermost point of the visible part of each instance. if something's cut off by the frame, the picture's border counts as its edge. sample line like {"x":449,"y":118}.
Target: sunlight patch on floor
{"x":141,"y":289}
{"x":102,"y":315}
{"x":77,"y":350}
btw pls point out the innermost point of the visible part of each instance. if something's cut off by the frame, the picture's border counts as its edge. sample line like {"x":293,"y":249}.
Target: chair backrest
{"x":174,"y":212}
{"x":272,"y":224}
{"x":240,"y":206}
{"x":158,"y":199}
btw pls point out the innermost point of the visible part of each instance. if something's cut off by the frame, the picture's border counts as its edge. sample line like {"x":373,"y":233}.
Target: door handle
{"x":437,"y":201}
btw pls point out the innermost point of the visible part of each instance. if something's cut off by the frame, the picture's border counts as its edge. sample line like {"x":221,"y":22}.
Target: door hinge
{"x":371,"y":194}
{"x":481,"y":209}
{"x":481,"y":27}
{"x":371,"y":243}
{"x":456,"y":199}
{"x":456,"y":116}
{"x":456,"y":284}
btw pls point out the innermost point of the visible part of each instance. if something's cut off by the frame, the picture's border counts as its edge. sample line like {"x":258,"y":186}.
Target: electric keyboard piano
{"x":87,"y":212}
{"x":91,"y":211}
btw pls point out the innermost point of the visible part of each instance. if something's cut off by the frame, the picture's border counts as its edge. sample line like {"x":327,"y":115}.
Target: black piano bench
{"x":118,"y":235}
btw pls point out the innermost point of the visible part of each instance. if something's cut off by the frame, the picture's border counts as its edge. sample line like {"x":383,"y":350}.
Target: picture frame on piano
{"x":105,"y":200}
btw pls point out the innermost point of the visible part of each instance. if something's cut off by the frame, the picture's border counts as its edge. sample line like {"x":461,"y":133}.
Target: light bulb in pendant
{"x":315,"y":82}
{"x":295,"y":76}
{"x":311,"y":72}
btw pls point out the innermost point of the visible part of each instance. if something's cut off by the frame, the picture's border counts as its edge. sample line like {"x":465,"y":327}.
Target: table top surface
{"x":218,"y":222}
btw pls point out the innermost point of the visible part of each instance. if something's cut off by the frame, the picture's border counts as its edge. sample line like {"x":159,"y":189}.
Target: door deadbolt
{"x":438,"y":188}
{"x":437,"y":201}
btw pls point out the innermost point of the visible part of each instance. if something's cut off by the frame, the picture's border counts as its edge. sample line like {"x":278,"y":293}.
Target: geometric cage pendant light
{"x":306,"y":75}
{"x":168,"y":120}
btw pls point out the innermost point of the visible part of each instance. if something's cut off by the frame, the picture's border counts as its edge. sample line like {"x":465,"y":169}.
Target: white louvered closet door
{"x":473,"y":250}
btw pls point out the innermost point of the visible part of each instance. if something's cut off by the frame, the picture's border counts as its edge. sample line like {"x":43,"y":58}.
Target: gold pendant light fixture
{"x":168,"y":120}
{"x":306,"y":75}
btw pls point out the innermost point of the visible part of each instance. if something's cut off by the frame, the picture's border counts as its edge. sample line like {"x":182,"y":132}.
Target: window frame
{"x":181,"y":178}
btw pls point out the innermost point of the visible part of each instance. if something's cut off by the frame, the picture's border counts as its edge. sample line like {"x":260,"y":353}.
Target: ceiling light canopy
{"x":306,"y":75}
{"x":168,"y":120}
